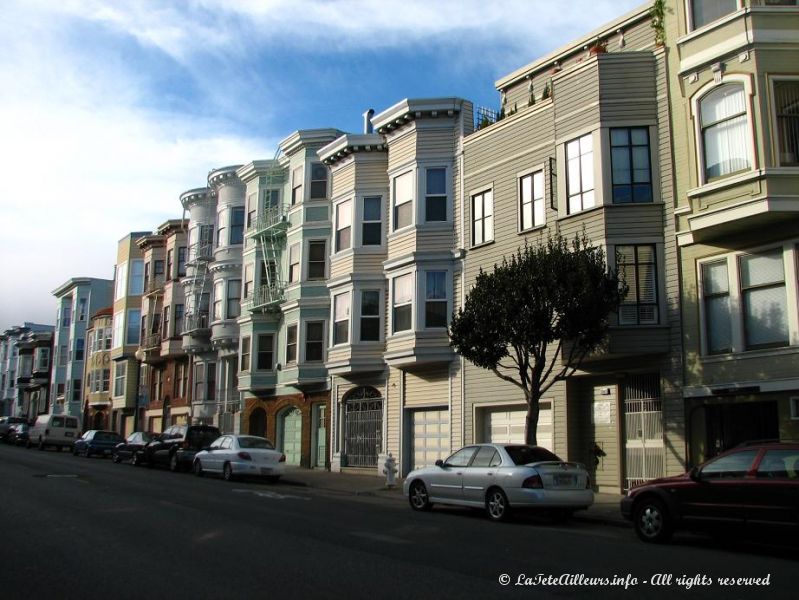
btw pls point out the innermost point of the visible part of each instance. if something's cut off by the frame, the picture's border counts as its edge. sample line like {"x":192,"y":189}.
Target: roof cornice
{"x":308,"y":137}
{"x":349,"y":143}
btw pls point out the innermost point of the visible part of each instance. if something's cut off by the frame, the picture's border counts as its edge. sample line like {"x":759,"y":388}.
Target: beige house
{"x":97,"y":371}
{"x":734,"y":89}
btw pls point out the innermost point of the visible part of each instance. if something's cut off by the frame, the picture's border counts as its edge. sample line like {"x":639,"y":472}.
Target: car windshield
{"x":524,"y":455}
{"x":255,"y":442}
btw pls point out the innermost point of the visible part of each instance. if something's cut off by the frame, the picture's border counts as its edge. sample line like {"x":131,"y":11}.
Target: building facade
{"x":25,"y":366}
{"x":97,"y":370}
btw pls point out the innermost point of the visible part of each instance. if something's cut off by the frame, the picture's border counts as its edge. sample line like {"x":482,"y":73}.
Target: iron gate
{"x":363,"y":431}
{"x":643,"y":420}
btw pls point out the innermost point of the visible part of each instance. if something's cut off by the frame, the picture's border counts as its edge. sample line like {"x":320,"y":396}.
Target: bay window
{"x":219,"y":292}
{"x":716,"y":295}
{"x":435,"y":200}
{"x":724,"y":135}
{"x":765,"y":304}
{"x":707,"y":11}
{"x":296,"y":186}
{"x":435,"y":306}
{"x":265,"y":351}
{"x":403,"y":200}
{"x":638,"y":266}
{"x":786,"y":100}
{"x":341,"y":318}
{"x":343,"y":225}
{"x":318,"y":181}
{"x":245,"y":353}
{"x":291,"y":343}
{"x":294,"y":263}
{"x":630,"y":165}
{"x":314,"y":341}
{"x":402,"y":317}
{"x":233,"y":310}
{"x":370,"y":316}
{"x":580,"y":174}
{"x":317,"y":259}
{"x":372,"y":223}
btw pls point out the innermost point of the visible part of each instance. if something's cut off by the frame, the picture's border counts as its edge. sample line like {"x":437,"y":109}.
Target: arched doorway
{"x":258,"y":422}
{"x":363,"y":427}
{"x":290,"y":432}
{"x":99,"y":420}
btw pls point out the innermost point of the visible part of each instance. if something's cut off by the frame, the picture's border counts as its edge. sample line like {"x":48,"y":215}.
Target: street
{"x":88,"y":528}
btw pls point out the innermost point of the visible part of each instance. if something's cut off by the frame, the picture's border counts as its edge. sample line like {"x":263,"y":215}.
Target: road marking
{"x":379,"y":537}
{"x":271,"y":495}
{"x":61,"y":476}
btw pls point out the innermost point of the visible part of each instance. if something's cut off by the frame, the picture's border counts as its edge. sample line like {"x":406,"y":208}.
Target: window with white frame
{"x":121,"y":280}
{"x":119,"y":323}
{"x":370,"y":316}
{"x":106,"y":380}
{"x":704,"y":12}
{"x":137,"y":277}
{"x":318,"y":181}
{"x":435,"y":304}
{"x":786,"y":106}
{"x":314,"y":341}
{"x":724,"y":131}
{"x":237,"y":225}
{"x":222,"y":221}
{"x":245,"y":353}
{"x":248,"y":280}
{"x":482,"y":217}
{"x":580,"y":174}
{"x":531,"y":200}
{"x":764,"y":299}
{"x":716,"y":297}
{"x":296,"y":186}
{"x":343,"y":225}
{"x":435,"y":199}
{"x":372,"y":221}
{"x":291,"y":343}
{"x":219,"y":295}
{"x":294,"y":263}
{"x":341,"y":318}
{"x":82,"y":309}
{"x":182,"y":261}
{"x":252,"y":209}
{"x":403,"y":201}
{"x":233,"y":310}
{"x":42,"y":357}
{"x":133,"y":332}
{"x":120,"y":371}
{"x":79,"y":348}
{"x":66,"y":320}
{"x":630,"y":165}
{"x":266,"y":349}
{"x":637,"y":264}
{"x":402,"y":303}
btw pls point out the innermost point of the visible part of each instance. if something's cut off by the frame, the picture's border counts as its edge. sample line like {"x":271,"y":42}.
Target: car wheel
{"x":227,"y":472}
{"x":418,"y":497}
{"x":652,"y":522}
{"x":135,"y":460}
{"x":198,"y":468}
{"x":115,"y":458}
{"x":41,"y":444}
{"x":272,"y":478}
{"x":497,"y":507}
{"x":174,"y":465}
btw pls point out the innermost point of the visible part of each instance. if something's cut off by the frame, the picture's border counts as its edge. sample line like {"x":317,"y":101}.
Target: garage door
{"x":503,"y":426}
{"x":430,"y":433}
{"x":292,"y":436}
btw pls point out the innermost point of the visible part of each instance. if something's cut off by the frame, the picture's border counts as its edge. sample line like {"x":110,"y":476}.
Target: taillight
{"x":282,"y":458}
{"x":244,"y":456}
{"x":533,"y":482}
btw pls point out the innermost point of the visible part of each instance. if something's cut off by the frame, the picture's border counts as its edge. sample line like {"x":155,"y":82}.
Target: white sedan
{"x":241,"y":455}
{"x":501,"y":477}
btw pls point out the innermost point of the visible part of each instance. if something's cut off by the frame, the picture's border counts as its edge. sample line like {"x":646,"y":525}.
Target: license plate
{"x":265,"y":471}
{"x":564,"y":479}
{"x":68,"y":434}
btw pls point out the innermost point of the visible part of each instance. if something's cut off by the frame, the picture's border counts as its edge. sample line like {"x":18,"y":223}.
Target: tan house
{"x":734,"y":89}
{"x":97,"y":371}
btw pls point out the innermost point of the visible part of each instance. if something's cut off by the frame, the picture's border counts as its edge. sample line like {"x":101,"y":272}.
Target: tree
{"x":535,"y":318}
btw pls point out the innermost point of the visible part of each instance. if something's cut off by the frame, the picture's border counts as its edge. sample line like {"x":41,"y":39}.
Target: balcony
{"x":273,"y":221}
{"x":195,"y":323}
{"x":154,"y":286}
{"x":266,"y":297}
{"x":199,"y":253}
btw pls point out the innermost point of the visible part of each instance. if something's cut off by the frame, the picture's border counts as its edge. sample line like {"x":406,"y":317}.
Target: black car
{"x":96,"y":441}
{"x":178,"y":444}
{"x":18,"y":434}
{"x":131,"y":449}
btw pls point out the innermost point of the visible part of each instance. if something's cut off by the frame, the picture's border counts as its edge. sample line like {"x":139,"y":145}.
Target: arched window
{"x":724,"y":129}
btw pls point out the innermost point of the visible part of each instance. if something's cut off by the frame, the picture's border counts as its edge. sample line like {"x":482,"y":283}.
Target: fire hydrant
{"x":390,"y":471}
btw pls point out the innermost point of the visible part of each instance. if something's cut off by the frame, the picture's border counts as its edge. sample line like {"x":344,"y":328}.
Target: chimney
{"x":367,"y":120}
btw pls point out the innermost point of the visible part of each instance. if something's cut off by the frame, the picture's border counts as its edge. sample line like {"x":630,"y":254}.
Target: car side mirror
{"x":440,"y":463}
{"x":694,"y":474}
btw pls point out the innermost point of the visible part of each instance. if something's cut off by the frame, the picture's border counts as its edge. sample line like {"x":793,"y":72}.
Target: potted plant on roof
{"x":598,"y":47}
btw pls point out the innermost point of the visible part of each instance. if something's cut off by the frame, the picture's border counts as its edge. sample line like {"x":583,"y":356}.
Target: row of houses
{"x":306,"y":297}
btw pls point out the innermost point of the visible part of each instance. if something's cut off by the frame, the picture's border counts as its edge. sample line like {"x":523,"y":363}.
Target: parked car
{"x":18,"y":434}
{"x":750,"y":485}
{"x":235,"y":455}
{"x":501,"y":478}
{"x":96,"y":442}
{"x":7,"y":422}
{"x":131,"y":448}
{"x":59,"y":431}
{"x":178,"y":444}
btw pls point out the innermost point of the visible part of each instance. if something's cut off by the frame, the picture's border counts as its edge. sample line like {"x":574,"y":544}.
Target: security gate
{"x":643,"y":420}
{"x":363,"y":428}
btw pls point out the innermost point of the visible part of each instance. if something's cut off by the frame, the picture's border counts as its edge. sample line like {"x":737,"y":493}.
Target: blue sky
{"x":110,"y":109}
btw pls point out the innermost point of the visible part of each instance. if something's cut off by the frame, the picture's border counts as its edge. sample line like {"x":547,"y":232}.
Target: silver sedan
{"x":235,"y":455}
{"x":501,"y":477}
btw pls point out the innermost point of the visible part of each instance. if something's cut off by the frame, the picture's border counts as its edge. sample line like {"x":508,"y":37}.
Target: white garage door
{"x":430,"y":432}
{"x":503,"y":426}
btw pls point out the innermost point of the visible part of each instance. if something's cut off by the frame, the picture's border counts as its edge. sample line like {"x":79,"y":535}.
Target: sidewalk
{"x":604,"y":510}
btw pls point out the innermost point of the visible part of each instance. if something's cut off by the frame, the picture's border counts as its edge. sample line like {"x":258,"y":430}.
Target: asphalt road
{"x":87,"y":528}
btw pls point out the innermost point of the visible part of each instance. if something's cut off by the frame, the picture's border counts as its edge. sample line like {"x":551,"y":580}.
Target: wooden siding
{"x":401,"y":147}
{"x":576,"y":99}
{"x":627,"y":86}
{"x":427,"y":386}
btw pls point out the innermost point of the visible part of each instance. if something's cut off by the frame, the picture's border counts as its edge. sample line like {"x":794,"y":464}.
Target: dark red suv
{"x":753,"y":484}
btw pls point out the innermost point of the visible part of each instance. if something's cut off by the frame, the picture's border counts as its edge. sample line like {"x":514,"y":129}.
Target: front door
{"x":363,"y":431}
{"x":321,"y":436}
{"x":292,"y":436}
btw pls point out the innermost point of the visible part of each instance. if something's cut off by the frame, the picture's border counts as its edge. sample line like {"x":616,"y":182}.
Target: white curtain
{"x":724,"y":124}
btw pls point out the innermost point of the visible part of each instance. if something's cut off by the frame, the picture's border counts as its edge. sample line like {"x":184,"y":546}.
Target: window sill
{"x":481,"y":245}
{"x":725,"y":182}
{"x":402,"y":231}
{"x":535,"y":229}
{"x":747,"y":354}
{"x":708,"y":27}
{"x":581,"y":213}
{"x":436,"y":225}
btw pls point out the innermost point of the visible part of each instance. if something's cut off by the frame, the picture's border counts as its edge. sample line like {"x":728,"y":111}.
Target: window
{"x":370,"y":316}
{"x":133,"y":333}
{"x":435,"y":305}
{"x":707,"y":11}
{"x":179,"y":312}
{"x":120,"y":369}
{"x":637,"y":265}
{"x":42,"y":359}
{"x":233,"y":298}
{"x":341,"y":318}
{"x":580,"y":174}
{"x":121,"y":280}
{"x":435,"y":200}
{"x":531,"y":199}
{"x":318,"y":181}
{"x":219,"y":291}
{"x":723,"y":124}
{"x":462,"y":457}
{"x":221,"y":226}
{"x":137,"y":277}
{"x":265,"y":352}
{"x":779,"y":464}
{"x":314,"y":340}
{"x":182,"y":261}
{"x":296,"y":186}
{"x":291,"y":343}
{"x":629,"y":158}
{"x":317,"y":259}
{"x":158,"y":270}
{"x":199,"y":383}
{"x":237,"y":225}
{"x":170,"y":255}
{"x":372,"y":225}
{"x":165,"y":329}
{"x":716,"y":295}
{"x":403,"y":200}
{"x":106,"y":380}
{"x":765,"y":304}
{"x":119,"y":323}
{"x":786,"y":101}
{"x":294,"y":263}
{"x":62,"y":356}
{"x":66,"y":320}
{"x":82,"y":309}
{"x":731,"y":466}
{"x":76,"y":384}
{"x":403,"y":303}
{"x":343,"y":225}
{"x":79,"y":348}
{"x":252,"y":210}
{"x":482,"y":218}
{"x":245,"y":353}
{"x":248,"y":280}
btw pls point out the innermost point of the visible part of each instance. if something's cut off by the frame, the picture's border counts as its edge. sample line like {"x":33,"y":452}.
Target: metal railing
{"x":154,"y":285}
{"x":195,"y":322}
{"x":266,"y":296}
{"x":200,"y":252}
{"x":484,"y":116}
{"x":151,"y":341}
{"x":273,"y":218}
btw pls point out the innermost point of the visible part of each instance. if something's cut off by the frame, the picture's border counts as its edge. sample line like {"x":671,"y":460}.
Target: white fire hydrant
{"x":390,"y":471}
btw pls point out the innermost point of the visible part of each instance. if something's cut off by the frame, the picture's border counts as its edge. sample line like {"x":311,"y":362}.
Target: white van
{"x":59,"y":431}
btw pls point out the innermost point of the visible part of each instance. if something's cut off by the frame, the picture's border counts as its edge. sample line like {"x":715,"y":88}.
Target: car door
{"x":773,"y":495}
{"x":161,"y":448}
{"x":480,"y":474}
{"x":446,"y":481}
{"x":214,"y":459}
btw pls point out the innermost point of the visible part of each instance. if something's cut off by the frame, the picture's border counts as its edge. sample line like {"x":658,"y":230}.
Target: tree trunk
{"x":531,"y":422}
